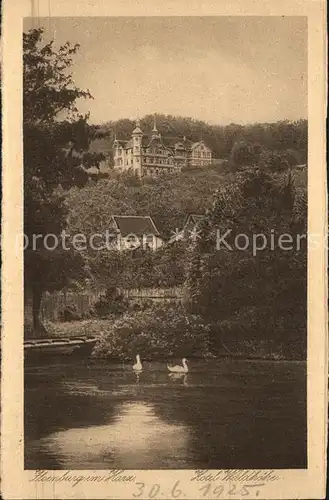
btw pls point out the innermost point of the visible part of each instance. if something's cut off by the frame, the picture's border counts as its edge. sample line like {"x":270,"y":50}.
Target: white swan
{"x":179,"y":368}
{"x":138,"y":367}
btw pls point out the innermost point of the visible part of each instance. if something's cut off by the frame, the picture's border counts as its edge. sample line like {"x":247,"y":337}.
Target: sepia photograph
{"x":165,"y":249}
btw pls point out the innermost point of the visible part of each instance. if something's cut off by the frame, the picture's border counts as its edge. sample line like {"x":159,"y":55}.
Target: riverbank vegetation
{"x":165,"y":332}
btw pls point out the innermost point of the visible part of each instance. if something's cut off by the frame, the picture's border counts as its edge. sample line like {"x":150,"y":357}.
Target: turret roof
{"x":137,"y":130}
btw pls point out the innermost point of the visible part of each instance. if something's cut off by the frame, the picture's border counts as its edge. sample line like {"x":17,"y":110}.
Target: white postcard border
{"x":17,"y":483}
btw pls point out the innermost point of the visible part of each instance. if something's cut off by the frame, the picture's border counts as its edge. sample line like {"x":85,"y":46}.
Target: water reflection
{"x":135,"y":436}
{"x":182,"y":377}
{"x":219,"y":415}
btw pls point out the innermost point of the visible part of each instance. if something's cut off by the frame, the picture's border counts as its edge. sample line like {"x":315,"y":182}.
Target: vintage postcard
{"x":164,"y":297}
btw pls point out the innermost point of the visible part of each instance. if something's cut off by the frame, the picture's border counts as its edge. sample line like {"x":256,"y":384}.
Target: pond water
{"x":222,"y":414}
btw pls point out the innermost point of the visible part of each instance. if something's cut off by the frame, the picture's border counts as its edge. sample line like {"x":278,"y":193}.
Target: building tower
{"x":137,"y":136}
{"x":117,"y":157}
{"x":155,"y":132}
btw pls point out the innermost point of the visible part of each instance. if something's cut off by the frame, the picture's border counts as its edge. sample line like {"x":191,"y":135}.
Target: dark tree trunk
{"x":38,"y":327}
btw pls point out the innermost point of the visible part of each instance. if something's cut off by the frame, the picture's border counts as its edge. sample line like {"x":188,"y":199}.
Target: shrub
{"x":111,"y":302}
{"x":69,"y":313}
{"x":261,"y":332}
{"x":158,"y":331}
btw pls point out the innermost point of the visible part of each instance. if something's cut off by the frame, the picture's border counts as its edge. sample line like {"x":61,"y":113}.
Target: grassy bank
{"x":124,"y":337}
{"x":75,"y":328}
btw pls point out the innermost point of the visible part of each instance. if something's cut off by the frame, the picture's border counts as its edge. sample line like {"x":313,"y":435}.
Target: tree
{"x":273,"y":160}
{"x":56,"y":144}
{"x":245,"y":295}
{"x":279,"y":136}
{"x":242,"y":154}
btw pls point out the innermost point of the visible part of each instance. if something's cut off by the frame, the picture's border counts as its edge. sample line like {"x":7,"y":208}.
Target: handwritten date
{"x":208,"y":490}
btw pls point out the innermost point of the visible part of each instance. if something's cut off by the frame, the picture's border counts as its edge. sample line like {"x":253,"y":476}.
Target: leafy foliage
{"x":252,"y":295}
{"x":242,"y":154}
{"x":280,"y":136}
{"x":167,"y":199}
{"x":160,"y":331}
{"x":56,"y":144}
{"x":164,"y":268}
{"x":111,"y":302}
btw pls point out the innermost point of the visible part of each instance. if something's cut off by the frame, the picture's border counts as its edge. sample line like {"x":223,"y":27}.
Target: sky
{"x":218,"y":69}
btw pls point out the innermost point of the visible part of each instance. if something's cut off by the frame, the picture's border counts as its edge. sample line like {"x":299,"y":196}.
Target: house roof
{"x":167,"y":142}
{"x":196,"y":144}
{"x":136,"y":224}
{"x":195,"y":218}
{"x":173,"y":142}
{"x":137,"y":131}
{"x":160,"y":140}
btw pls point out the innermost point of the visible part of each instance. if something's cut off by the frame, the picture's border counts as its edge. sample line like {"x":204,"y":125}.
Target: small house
{"x":130,"y":232}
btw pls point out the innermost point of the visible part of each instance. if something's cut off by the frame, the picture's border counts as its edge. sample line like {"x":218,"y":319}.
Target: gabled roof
{"x":188,"y":144}
{"x":169,"y":142}
{"x":194,"y":218}
{"x":158,"y":139}
{"x":146,"y":142}
{"x":173,"y":142}
{"x":139,"y":225}
{"x":199,"y":143}
{"x":137,"y":131}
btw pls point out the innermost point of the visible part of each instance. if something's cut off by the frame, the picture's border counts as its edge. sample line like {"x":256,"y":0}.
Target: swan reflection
{"x":179,"y":377}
